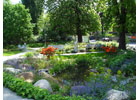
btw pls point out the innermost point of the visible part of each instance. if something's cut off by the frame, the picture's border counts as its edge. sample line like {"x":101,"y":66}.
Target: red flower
{"x":133,"y":37}
{"x":107,"y":49}
{"x":50,"y":51}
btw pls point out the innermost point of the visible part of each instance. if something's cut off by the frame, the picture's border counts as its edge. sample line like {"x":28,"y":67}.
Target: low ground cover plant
{"x":25,"y":89}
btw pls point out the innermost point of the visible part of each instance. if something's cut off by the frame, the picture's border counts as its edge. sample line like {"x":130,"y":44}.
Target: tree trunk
{"x":78,"y":30}
{"x":80,"y":38}
{"x":122,"y":42}
{"x":35,"y":30}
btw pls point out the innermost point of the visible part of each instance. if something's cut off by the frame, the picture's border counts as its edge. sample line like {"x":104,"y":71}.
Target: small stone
{"x":66,"y":82}
{"x":114,"y":79}
{"x":104,"y":60}
{"x":24,"y":66}
{"x":93,"y":70}
{"x":43,"y":70}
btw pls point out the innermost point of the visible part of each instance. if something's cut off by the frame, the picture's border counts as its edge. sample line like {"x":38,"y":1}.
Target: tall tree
{"x":17,"y":26}
{"x":124,"y":12}
{"x":35,"y":8}
{"x":75,"y":17}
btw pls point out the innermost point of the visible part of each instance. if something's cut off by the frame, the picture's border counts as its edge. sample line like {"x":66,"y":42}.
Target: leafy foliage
{"x":124,"y":62}
{"x":17,"y":25}
{"x":35,"y":8}
{"x":72,"y":17}
{"x":25,"y":89}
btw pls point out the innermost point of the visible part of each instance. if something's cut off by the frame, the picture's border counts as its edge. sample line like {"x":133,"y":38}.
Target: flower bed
{"x":65,"y":71}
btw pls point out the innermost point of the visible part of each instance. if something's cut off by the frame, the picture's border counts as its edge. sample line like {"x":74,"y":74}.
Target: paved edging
{"x":9,"y":95}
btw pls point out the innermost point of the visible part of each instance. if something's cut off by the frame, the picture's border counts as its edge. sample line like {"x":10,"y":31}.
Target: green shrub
{"x":116,"y":62}
{"x":29,"y":54}
{"x":82,"y":63}
{"x":17,"y":26}
{"x":86,"y":55}
{"x":97,"y":62}
{"x":37,"y":63}
{"x":25,"y":89}
{"x":55,"y":87}
{"x":33,"y":45}
{"x":61,"y":65}
{"x":130,"y":70}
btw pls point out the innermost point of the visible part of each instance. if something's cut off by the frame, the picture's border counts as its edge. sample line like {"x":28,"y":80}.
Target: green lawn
{"x":10,"y":53}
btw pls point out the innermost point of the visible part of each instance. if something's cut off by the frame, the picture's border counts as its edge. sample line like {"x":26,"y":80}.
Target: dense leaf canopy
{"x":17,"y":27}
{"x":72,"y":17}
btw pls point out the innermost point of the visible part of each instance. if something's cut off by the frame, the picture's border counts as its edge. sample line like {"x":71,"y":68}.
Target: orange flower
{"x":133,"y":37}
{"x":50,"y":51}
{"x":107,"y":49}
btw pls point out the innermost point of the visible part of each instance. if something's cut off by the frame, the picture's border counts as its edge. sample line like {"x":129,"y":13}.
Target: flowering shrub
{"x":50,"y":51}
{"x":109,"y":49}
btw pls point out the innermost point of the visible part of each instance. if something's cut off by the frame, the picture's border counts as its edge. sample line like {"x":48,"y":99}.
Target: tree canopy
{"x":17,"y":27}
{"x":124,"y":14}
{"x":73,"y":17}
{"x":36,"y":7}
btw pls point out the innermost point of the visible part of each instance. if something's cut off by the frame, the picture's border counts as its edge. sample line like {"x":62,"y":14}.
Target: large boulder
{"x":13,"y":70}
{"x":116,"y":95}
{"x":44,"y":84}
{"x":27,"y":76}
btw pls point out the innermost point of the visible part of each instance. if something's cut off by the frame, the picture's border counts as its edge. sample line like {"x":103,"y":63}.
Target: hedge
{"x":27,"y":90}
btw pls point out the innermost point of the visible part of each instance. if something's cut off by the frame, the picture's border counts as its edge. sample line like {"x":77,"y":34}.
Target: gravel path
{"x":18,"y":55}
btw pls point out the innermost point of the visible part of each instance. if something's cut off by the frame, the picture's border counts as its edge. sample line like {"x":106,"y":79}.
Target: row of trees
{"x":70,"y":17}
{"x":78,"y":17}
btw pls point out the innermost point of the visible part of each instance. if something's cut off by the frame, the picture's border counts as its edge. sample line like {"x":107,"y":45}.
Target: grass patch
{"x":35,"y":45}
{"x":87,"y":55}
{"x":10,"y":52}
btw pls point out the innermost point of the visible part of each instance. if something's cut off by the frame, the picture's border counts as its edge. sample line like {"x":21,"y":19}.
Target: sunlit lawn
{"x":10,"y":53}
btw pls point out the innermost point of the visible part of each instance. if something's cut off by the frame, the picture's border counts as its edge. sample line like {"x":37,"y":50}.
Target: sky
{"x":15,"y":1}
